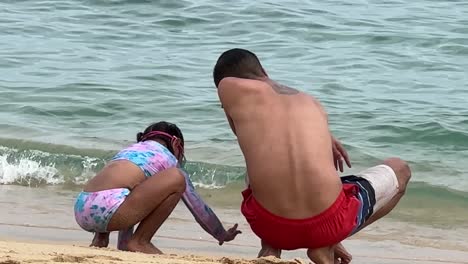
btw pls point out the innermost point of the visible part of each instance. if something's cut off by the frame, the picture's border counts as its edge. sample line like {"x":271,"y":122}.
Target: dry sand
{"x":20,"y":252}
{"x":12,"y":252}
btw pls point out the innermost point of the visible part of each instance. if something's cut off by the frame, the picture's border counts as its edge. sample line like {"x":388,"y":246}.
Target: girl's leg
{"x":100,"y":240}
{"x":149,"y":203}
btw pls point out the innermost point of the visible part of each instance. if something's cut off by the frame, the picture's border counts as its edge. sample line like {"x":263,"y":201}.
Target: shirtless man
{"x":295,"y":197}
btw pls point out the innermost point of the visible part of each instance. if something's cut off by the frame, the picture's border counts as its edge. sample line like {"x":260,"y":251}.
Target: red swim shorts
{"x":360,"y":197}
{"x":325,"y":229}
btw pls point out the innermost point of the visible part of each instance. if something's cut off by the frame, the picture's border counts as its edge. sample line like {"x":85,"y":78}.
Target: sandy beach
{"x":12,"y":252}
{"x":38,"y":227}
{"x":80,"y":79}
{"x":16,"y":252}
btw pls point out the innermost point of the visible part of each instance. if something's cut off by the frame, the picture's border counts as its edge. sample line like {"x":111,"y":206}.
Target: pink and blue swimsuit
{"x":93,"y":210}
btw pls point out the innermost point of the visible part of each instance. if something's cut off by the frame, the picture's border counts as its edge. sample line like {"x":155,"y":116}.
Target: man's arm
{"x":231,"y":124}
{"x":226,"y":96}
{"x":339,"y":152}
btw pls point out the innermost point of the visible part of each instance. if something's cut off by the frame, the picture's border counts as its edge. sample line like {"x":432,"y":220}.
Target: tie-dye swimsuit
{"x":93,"y":210}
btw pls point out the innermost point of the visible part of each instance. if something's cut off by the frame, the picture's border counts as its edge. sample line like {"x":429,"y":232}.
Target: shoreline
{"x":41,"y":162}
{"x":43,"y":219}
{"x":436,"y":208}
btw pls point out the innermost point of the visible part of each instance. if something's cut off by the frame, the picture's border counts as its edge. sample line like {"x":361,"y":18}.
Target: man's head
{"x":238,"y":63}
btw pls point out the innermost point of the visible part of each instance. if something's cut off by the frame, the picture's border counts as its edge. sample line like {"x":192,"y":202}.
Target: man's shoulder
{"x":231,"y":86}
{"x":233,"y":82}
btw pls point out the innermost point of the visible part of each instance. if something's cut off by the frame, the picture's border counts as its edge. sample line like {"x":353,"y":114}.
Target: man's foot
{"x":342,"y":256}
{"x":147,"y":248}
{"x":100,"y":240}
{"x":321,"y":255}
{"x":267,"y":252}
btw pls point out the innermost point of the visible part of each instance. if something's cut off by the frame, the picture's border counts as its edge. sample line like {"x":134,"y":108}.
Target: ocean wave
{"x":427,"y":133}
{"x":36,"y":164}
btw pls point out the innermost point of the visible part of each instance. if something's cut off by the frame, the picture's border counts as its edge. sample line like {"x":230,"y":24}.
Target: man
{"x":295,"y":197}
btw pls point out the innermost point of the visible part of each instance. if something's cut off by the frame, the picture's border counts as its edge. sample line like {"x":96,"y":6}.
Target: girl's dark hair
{"x":165,"y":127}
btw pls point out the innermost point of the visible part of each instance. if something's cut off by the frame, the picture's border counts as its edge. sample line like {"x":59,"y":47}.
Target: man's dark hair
{"x":238,"y":63}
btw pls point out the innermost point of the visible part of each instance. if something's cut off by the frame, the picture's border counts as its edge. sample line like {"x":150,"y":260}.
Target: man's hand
{"x":339,"y":153}
{"x":230,"y":234}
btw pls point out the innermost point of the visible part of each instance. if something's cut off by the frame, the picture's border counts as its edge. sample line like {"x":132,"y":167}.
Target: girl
{"x":142,"y":184}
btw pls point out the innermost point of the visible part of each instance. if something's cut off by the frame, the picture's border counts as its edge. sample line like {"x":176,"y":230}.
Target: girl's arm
{"x":204,"y":215}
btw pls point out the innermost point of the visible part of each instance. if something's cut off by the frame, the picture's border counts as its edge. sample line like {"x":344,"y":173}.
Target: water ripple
{"x":392,"y":74}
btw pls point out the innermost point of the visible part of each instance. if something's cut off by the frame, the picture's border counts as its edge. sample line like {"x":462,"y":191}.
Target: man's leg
{"x":403,"y":174}
{"x":266,"y":249}
{"x":342,"y":256}
{"x":325,"y":255}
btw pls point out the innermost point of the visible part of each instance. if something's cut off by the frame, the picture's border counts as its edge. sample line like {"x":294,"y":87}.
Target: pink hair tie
{"x":160,"y":133}
{"x":157,"y":133}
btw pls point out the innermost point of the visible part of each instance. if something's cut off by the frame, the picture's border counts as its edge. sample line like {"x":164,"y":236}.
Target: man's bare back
{"x":284,"y":136}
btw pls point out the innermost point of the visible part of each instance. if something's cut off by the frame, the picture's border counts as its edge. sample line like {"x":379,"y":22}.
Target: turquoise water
{"x":78,"y":80}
